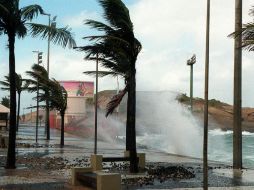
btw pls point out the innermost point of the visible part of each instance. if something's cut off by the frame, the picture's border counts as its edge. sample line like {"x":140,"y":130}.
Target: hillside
{"x":220,"y":114}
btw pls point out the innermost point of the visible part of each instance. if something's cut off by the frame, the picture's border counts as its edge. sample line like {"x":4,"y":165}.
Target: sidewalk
{"x":47,"y":166}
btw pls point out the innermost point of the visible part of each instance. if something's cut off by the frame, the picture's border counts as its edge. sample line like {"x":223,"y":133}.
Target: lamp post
{"x":47,"y":123}
{"x":191,"y":62}
{"x":49,"y":23}
{"x":39,"y":60}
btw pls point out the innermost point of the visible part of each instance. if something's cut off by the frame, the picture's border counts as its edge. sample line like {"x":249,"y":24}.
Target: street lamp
{"x":39,"y":60}
{"x":50,"y":24}
{"x":191,"y":62}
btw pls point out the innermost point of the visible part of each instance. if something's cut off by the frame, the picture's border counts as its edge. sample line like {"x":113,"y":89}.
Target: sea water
{"x":166,"y":125}
{"x":224,"y":152}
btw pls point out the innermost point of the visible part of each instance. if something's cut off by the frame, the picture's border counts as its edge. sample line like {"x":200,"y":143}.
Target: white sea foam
{"x":247,"y":133}
{"x":216,"y":132}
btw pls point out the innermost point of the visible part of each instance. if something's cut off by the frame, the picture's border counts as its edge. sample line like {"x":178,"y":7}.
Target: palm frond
{"x":247,"y":34}
{"x":115,"y":101}
{"x":6,"y":85}
{"x":99,"y":26}
{"x":60,"y":36}
{"x":117,"y":14}
{"x":101,"y":73}
{"x":31,"y":11}
{"x":3,"y":9}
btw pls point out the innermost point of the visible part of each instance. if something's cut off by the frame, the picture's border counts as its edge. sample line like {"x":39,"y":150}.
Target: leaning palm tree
{"x":39,"y":77}
{"x":21,"y":85}
{"x":57,"y":98}
{"x":16,"y":22}
{"x":118,"y":50}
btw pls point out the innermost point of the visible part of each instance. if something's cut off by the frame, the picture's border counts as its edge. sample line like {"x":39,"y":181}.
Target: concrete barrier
{"x":4,"y":141}
{"x":96,"y":162}
{"x":108,"y":181}
{"x":104,"y":181}
{"x":74,"y":173}
{"x":141,"y":157}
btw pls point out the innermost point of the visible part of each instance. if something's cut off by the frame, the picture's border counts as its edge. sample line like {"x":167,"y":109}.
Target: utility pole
{"x":237,"y":118}
{"x":39,"y":61}
{"x":191,"y":62}
{"x":96,"y":107}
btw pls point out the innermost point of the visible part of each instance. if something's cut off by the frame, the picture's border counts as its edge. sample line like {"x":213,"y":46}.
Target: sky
{"x":170,"y":31}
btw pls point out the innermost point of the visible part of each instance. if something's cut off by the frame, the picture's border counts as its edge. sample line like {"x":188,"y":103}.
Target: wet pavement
{"x":46,"y":165}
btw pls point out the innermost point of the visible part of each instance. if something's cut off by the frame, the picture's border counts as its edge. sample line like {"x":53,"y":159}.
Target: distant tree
{"x":57,"y":100}
{"x":21,"y":85}
{"x":5,"y":102}
{"x":16,"y":22}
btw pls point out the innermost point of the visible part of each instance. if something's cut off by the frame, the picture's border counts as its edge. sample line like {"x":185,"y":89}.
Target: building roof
{"x":4,"y":109}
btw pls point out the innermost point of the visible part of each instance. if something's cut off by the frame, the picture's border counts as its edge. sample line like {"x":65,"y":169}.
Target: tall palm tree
{"x":237,"y":121}
{"x":16,"y":22}
{"x":118,"y":49}
{"x":244,"y":38}
{"x":57,"y":100}
{"x":21,"y":85}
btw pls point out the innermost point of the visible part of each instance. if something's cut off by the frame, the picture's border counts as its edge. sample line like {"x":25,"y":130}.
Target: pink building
{"x":78,"y":94}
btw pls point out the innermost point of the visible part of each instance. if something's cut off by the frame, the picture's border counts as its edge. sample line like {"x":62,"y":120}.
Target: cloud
{"x":77,"y":21}
{"x":172,"y":31}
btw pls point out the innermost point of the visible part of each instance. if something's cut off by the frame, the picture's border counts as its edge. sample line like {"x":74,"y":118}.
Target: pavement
{"x":45,"y":165}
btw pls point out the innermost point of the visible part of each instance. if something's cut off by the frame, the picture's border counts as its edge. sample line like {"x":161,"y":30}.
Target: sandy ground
{"x":47,"y":166}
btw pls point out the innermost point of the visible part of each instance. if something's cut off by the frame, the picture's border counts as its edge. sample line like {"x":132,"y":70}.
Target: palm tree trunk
{"x":128,"y":131}
{"x":17,"y":128}
{"x":132,"y":122}
{"x":62,"y":130}
{"x":237,"y":121}
{"x":47,"y":118}
{"x":11,"y":157}
{"x":205,"y":145}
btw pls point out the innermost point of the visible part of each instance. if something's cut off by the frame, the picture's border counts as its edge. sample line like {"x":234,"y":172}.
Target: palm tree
{"x":21,"y":85}
{"x":57,"y":100}
{"x":118,"y":49}
{"x":5,"y":102}
{"x":205,"y":140}
{"x":244,"y":38}
{"x":16,"y":22}
{"x":39,"y":77}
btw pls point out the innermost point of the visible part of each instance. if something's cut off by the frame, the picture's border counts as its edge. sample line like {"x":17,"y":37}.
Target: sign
{"x":78,"y":88}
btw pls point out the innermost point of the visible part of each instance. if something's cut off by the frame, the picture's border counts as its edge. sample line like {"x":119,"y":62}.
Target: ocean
{"x":166,"y":125}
